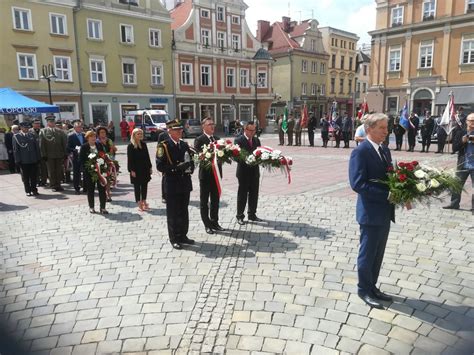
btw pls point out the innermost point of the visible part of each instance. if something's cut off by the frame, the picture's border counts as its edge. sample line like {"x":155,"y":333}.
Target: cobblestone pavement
{"x":113,"y":284}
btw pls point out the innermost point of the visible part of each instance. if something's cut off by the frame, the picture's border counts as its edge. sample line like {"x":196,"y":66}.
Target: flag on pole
{"x":304,"y":117}
{"x":448,"y":120}
{"x":284,"y":124}
{"x":334,"y":110}
{"x":404,"y":122}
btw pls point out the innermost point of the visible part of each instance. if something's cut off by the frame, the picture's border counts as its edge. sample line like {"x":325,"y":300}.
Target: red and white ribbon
{"x":216,"y":173}
{"x":102,"y":179}
{"x":285,"y":167}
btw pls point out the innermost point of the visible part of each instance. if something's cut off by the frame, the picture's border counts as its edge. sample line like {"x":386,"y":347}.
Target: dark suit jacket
{"x":365,"y":166}
{"x":199,"y":142}
{"x":244,"y":170}
{"x":73,"y":142}
{"x":84,"y":155}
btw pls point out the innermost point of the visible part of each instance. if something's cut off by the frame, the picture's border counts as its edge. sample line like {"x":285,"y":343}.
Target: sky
{"x":357,"y":16}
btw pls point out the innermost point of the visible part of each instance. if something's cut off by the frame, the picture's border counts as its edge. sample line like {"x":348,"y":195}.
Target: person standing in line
{"x":414,"y":123}
{"x":42,"y":170}
{"x":75,"y":140}
{"x":325,"y":131}
{"x":209,"y":194}
{"x":281,"y":132}
{"x":298,"y":130}
{"x":27,"y":155}
{"x":368,"y":164}
{"x":337,"y":130}
{"x":53,"y":144}
{"x":346,"y":130}
{"x":441,"y":136}
{"x":291,"y":127}
{"x":131,"y":126}
{"x":399,"y":132}
{"x":124,"y":129}
{"x":12,"y":167}
{"x":139,"y":167}
{"x":391,"y":122}
{"x":174,"y":160}
{"x":426,"y":132}
{"x":311,"y":128}
{"x":108,"y":146}
{"x":248,"y":176}
{"x":111,"y":131}
{"x":161,"y":138}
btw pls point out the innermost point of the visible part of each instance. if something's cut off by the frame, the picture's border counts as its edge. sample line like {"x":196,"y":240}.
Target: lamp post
{"x":255,"y":85}
{"x":48,"y":75}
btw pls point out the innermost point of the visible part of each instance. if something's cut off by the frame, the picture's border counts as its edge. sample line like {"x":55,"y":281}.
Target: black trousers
{"x":248,"y":190}
{"x":426,"y":141}
{"x":463,"y":175}
{"x":28,"y":174}
{"x":209,"y":197}
{"x":42,"y":174}
{"x":338,"y":139}
{"x":177,"y":216}
{"x":441,"y":142}
{"x":399,"y":140}
{"x":411,"y":139}
{"x":11,"y":163}
{"x":163,"y":193}
{"x":141,"y":190}
{"x":290,"y":137}
{"x":325,"y":138}
{"x":90,"y":185}
{"x":347,"y":137}
{"x":281,"y":136}
{"x":311,"y":136}
{"x":77,"y":177}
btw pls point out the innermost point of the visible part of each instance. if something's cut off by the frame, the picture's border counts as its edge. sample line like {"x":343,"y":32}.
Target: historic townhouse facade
{"x":362,"y":77}
{"x":300,"y":67}
{"x":38,"y":37}
{"x":421,"y":51}
{"x":217,"y":70}
{"x":342,"y":48}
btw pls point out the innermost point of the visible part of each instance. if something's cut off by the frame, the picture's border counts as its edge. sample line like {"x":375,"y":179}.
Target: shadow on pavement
{"x":197,"y":204}
{"x":299,"y":229}
{"x":9,"y":208}
{"x":56,"y":196}
{"x":124,"y":217}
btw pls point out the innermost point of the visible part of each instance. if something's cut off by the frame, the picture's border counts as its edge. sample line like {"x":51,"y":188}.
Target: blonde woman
{"x":139,"y":166}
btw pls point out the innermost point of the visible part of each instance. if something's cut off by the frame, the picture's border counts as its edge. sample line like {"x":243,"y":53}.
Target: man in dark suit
{"x":248,"y":176}
{"x":311,"y":128}
{"x":75,"y":140}
{"x":173,"y":159}
{"x":370,"y":162}
{"x":414,"y":122}
{"x":207,"y":183}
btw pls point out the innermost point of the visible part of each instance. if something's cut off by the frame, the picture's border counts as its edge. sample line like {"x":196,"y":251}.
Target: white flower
{"x":434,"y":183}
{"x":220,"y":153}
{"x":208,"y":155}
{"x":204,"y":149}
{"x":78,"y":148}
{"x":277,"y":152}
{"x":100,"y":161}
{"x":421,"y":187}
{"x":420,"y":174}
{"x":251,"y":159}
{"x":92,"y":166}
{"x":265,"y":156}
{"x":92,"y":155}
{"x":221,"y":142}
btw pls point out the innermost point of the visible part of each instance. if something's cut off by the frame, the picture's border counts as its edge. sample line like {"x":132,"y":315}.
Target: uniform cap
{"x":25,"y":124}
{"x":174,"y":124}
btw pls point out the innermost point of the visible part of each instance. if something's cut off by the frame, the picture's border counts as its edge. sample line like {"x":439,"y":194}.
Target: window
{"x":100,"y":114}
{"x":323,"y":89}
{"x":358,"y":86}
{"x":97,"y":67}
{"x":22,"y":19}
{"x":333,"y":61}
{"x":129,"y":2}
{"x":58,"y":24}
{"x":303,"y":89}
{"x":262,"y":79}
{"x":314,"y":67}
{"x":230,"y":77}
{"x":322,"y":68}
{"x":205,"y":37}
{"x":313,"y":89}
{"x":26,"y":66}
{"x":429,"y":8}
{"x":221,"y":39}
{"x":94,"y":29}
{"x":426,"y":54}
{"x":235,"y":42}
{"x":395,"y":55}
{"x":235,"y":20}
{"x":205,"y":13}
{"x":62,"y":68}
{"x":333,"y":85}
{"x":350,"y":86}
{"x":470,"y":6}
{"x":342,"y":61}
{"x":313,"y":45}
{"x":186,"y":74}
{"x":126,"y":33}
{"x":350,"y":62}
{"x":244,"y":78}
{"x":397,"y":16}
{"x":467,"y":48}
{"x":335,"y":41}
{"x":206,"y":75}
{"x":364,"y":85}
{"x":332,"y":41}
{"x":128,"y":71}
{"x":341,"y":86}
{"x":155,"y":37}
{"x":220,"y":13}
{"x":156,"y":73}
{"x":365,"y":69}
{"x":304,"y":66}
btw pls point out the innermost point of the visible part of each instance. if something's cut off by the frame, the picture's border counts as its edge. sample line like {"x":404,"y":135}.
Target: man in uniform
{"x":281,"y":132}
{"x":291,"y":127}
{"x":311,"y":128}
{"x":207,"y":183}
{"x":248,"y":176}
{"x":27,"y":155}
{"x":42,"y":170}
{"x":346,"y":130}
{"x":173,"y":159}
{"x":53,"y":151}
{"x":161,"y":138}
{"x":75,"y":140}
{"x":426,"y":131}
{"x":414,"y":123}
{"x":298,"y":130}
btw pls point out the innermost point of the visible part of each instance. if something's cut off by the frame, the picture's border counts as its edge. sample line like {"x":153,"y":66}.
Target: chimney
{"x":286,"y":23}
{"x":262,"y":29}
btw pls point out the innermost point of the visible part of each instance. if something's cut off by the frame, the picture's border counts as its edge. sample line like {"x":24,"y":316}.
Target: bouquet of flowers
{"x":410,"y":181}
{"x":270,"y":159}
{"x":102,"y":168}
{"x":224,"y":151}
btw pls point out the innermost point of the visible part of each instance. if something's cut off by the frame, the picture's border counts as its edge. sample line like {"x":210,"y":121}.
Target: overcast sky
{"x":357,"y":16}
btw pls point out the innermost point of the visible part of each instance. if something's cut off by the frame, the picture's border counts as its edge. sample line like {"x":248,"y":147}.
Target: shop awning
{"x":14,"y":103}
{"x":462,"y":95}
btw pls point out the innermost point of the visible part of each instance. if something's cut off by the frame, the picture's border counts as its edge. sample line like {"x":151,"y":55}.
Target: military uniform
{"x":27,"y":155}
{"x":53,"y":150}
{"x":172,"y":161}
{"x":291,"y":127}
{"x":42,"y":169}
{"x":298,"y":130}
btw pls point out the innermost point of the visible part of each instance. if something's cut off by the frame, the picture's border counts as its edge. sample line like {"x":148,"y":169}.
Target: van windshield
{"x":160,"y":118}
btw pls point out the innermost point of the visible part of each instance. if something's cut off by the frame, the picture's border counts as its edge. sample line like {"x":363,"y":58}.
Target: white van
{"x":152,"y":122}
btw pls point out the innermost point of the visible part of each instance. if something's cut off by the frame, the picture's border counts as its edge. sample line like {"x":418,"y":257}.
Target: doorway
{"x":422,"y":102}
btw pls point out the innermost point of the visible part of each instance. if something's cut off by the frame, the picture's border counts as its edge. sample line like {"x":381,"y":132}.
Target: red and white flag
{"x":304,"y":117}
{"x":448,"y":120}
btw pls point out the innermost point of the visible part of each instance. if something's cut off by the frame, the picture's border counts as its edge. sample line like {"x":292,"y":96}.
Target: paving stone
{"x":367,"y":349}
{"x":294,"y":347}
{"x":94,"y":336}
{"x":274,"y":345}
{"x":84,"y":349}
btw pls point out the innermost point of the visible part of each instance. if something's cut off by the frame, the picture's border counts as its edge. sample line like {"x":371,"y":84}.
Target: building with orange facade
{"x":422,"y":50}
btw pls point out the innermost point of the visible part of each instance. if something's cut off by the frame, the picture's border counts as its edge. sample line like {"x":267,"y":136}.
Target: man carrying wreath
{"x":368,"y":165}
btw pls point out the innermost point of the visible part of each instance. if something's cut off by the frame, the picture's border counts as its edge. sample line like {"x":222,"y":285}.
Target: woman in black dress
{"x":139,"y":166}
{"x":91,"y":146}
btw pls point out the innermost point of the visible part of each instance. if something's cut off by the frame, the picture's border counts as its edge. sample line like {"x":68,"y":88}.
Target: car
{"x":192,"y":127}
{"x":434,"y":134}
{"x":152,"y":122}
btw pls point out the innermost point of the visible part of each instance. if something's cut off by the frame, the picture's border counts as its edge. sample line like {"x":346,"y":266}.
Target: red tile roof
{"x":180,"y":13}
{"x":282,"y":40}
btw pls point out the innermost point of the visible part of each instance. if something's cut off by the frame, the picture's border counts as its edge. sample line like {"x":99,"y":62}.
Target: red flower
{"x":390,"y":168}
{"x":401,"y":164}
{"x":235,"y":152}
{"x":258,"y":153}
{"x":228,"y":141}
{"x":283,"y":161}
{"x":402,"y":177}
{"x":290,"y":162}
{"x":414,"y":163}
{"x":218,"y":146}
{"x":410,"y":167}
{"x":101,"y":154}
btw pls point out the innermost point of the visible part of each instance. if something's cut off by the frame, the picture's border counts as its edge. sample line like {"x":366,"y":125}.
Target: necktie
{"x":250,"y":142}
{"x":211,"y":139}
{"x":382,"y":156}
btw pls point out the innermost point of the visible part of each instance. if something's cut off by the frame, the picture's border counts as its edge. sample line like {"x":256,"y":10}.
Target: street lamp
{"x":48,"y":75}
{"x":256,"y":96}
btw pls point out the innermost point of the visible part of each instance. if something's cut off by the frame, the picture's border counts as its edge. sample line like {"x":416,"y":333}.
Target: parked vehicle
{"x":434,"y":134}
{"x":192,"y":127}
{"x":152,"y":122}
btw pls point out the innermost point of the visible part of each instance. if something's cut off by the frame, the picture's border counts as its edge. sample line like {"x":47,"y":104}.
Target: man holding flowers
{"x":368,"y":165}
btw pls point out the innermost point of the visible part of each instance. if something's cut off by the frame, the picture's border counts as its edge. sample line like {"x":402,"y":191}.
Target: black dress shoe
{"x":209,"y":230}
{"x":29,"y":194}
{"x":217,"y":227}
{"x":255,"y":219}
{"x":35,"y":193}
{"x":91,"y":210}
{"x":176,"y":246}
{"x":451,"y":207}
{"x":240,"y":221}
{"x":59,"y":188}
{"x":186,"y":240}
{"x":103,"y":211}
{"x":370,"y":301}
{"x":78,"y":192}
{"x":381,"y":296}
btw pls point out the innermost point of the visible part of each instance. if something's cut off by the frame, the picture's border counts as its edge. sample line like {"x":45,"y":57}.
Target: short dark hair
{"x":101,"y":128}
{"x":249,"y":123}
